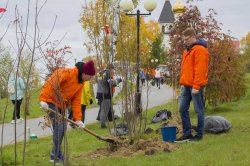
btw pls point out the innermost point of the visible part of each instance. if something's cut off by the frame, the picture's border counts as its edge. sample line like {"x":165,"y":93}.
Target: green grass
{"x":34,"y":110}
{"x":228,"y":149}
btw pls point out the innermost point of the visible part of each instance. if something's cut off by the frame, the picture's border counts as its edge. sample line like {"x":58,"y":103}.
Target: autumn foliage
{"x":55,"y":57}
{"x":245,"y":46}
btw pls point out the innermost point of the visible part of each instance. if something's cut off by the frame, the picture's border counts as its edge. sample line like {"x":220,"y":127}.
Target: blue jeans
{"x":198,"y":100}
{"x":59,"y":128}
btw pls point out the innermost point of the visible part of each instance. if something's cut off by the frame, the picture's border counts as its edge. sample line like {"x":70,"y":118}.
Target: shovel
{"x":109,"y":140}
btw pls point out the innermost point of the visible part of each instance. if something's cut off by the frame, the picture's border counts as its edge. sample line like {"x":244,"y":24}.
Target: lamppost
{"x":127,"y":6}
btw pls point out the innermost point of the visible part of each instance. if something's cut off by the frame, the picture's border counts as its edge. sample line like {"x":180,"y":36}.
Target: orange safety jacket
{"x":194,"y":67}
{"x":153,"y":72}
{"x":62,"y":88}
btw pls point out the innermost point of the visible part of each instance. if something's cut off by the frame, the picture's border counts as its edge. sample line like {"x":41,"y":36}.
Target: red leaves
{"x":55,"y":58}
{"x":106,"y":29}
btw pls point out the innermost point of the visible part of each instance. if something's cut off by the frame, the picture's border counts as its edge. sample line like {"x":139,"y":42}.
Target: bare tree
{"x":28,"y":41}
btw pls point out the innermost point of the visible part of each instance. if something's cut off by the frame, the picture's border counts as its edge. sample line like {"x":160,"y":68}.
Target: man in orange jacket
{"x":64,"y":86}
{"x":193,"y":78}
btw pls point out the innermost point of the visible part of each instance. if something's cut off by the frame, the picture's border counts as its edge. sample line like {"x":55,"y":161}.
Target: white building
{"x":167,"y":18}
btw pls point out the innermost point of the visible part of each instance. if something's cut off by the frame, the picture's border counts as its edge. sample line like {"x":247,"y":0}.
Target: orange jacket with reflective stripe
{"x":194,"y":67}
{"x":62,"y":88}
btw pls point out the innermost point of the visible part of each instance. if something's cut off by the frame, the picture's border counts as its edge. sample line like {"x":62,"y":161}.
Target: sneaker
{"x":197,"y":138}
{"x":185,"y":138}
{"x":103,"y":126}
{"x":19,"y":120}
{"x":55,"y":161}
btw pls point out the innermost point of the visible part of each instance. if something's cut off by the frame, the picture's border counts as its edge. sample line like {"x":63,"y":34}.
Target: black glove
{"x":90,"y":101}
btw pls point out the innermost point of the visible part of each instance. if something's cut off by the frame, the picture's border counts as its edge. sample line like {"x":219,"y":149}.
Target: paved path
{"x":155,"y":97}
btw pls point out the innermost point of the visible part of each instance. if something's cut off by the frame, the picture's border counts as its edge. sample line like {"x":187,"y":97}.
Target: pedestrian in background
{"x":143,"y":77}
{"x":16,"y":89}
{"x":158,"y":78}
{"x":193,"y":79}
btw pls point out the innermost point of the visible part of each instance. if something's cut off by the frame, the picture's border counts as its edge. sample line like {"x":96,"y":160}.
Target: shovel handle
{"x":71,"y":121}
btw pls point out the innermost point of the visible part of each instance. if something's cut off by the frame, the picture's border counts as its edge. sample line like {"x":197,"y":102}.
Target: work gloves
{"x":80,"y":124}
{"x":44,"y":105}
{"x":90,"y":101}
{"x":195,"y":91}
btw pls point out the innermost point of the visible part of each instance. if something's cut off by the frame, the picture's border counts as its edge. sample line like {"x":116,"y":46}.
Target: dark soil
{"x":146,"y":147}
{"x":125,"y":148}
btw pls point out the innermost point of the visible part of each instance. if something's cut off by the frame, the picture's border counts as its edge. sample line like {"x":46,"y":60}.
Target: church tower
{"x":166,"y":19}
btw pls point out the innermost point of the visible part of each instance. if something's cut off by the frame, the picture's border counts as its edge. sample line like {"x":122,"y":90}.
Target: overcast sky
{"x":234,"y":15}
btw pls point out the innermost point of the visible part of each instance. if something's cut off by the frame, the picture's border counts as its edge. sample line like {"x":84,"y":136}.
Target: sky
{"x":234,"y":15}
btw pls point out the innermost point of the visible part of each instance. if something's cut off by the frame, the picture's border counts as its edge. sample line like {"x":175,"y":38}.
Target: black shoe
{"x":184,"y":138}
{"x":103,"y":126}
{"x":197,"y":138}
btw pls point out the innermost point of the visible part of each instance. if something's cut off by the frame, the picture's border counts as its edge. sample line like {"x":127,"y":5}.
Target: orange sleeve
{"x":200,"y":67}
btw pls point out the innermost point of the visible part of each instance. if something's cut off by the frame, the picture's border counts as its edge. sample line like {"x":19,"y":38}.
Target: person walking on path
{"x":193,"y":78}
{"x":105,"y":91}
{"x":15,"y":89}
{"x":64,"y":86}
{"x":158,"y":78}
{"x":143,"y":77}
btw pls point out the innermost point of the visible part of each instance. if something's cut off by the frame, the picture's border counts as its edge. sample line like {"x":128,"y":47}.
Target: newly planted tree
{"x":96,"y":17}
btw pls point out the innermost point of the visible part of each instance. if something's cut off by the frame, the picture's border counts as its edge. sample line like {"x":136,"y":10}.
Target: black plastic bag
{"x":161,"y":115}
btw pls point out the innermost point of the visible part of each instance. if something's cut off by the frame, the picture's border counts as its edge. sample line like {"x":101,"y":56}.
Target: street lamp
{"x":154,"y":60}
{"x":127,"y":6}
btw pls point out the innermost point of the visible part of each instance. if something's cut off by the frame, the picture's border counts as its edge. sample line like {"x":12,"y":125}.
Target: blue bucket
{"x":169,"y":133}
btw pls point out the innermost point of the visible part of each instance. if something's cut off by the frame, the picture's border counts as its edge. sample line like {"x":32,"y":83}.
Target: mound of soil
{"x":125,"y":149}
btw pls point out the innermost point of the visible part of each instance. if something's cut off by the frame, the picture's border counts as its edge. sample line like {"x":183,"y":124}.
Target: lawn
{"x":228,"y":149}
{"x":34,"y":111}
